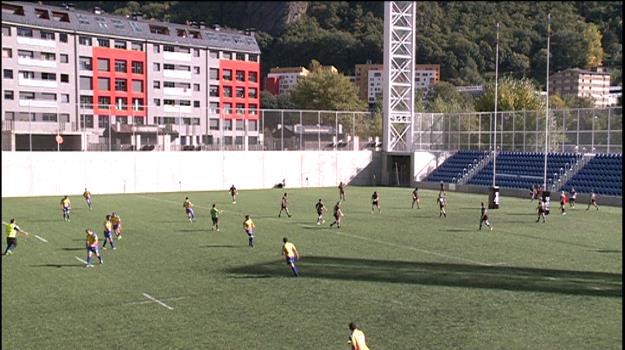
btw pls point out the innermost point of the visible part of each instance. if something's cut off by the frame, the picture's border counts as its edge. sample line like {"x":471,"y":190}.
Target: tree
{"x":445,"y":98}
{"x":594,"y":50}
{"x":269,"y":101}
{"x":513,"y":95}
{"x":322,"y":89}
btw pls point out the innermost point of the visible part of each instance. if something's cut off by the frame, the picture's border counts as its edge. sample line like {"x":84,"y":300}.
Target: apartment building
{"x":280,"y":81}
{"x":582,"y":83}
{"x":96,"y":78}
{"x":369,"y":79}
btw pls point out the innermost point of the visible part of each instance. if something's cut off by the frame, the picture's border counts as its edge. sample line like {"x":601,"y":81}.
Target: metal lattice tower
{"x":399,"y":71}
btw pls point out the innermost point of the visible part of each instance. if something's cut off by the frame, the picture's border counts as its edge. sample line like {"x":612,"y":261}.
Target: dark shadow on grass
{"x":460,"y":230}
{"x":59,"y":265}
{"x":83,"y":248}
{"x":451,"y":275}
{"x":609,"y":251}
{"x":552,"y":240}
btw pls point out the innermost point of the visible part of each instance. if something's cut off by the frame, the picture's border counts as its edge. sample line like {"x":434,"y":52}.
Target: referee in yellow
{"x":290,"y":253}
{"x":357,"y":338}
{"x":12,"y":230}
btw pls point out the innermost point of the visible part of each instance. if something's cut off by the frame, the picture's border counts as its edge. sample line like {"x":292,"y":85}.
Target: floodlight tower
{"x":399,"y":71}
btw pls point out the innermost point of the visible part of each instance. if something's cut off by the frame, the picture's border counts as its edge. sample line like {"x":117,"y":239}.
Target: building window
{"x":196,"y":104}
{"x":196,"y":87}
{"x":137,"y":104}
{"x":137,"y":86}
{"x":213,"y":74}
{"x":213,"y":91}
{"x":240,"y":75}
{"x":120,"y":66}
{"x":84,"y":63}
{"x":227,"y":91}
{"x":63,"y":37}
{"x":169,"y":48}
{"x":104,"y":84}
{"x":157,"y":102}
{"x":64,"y":78}
{"x":48,"y":76}
{"x":214,"y":107}
{"x":227,"y":75}
{"x":156,"y":84}
{"x":6,"y":30}
{"x":48,"y":56}
{"x":184,"y":103}
{"x":213,"y":124}
{"x":228,"y":109}
{"x":104,"y":102}
{"x":240,"y":56}
{"x":86,"y":101}
{"x":252,"y":125}
{"x":121,"y":103}
{"x":136,"y":46}
{"x":26,"y":32}
{"x":240,"y":92}
{"x":196,"y":52}
{"x":86,"y":121}
{"x":65,"y":98}
{"x":7,"y":74}
{"x":27,"y":95}
{"x":196,"y":70}
{"x":213,"y":54}
{"x":252,"y":57}
{"x":103,"y":64}
{"x":64,"y":58}
{"x":227,"y":55}
{"x":228,"y":124}
{"x":83,"y":40}
{"x":7,"y":53}
{"x":104,"y":42}
{"x":156,"y":48}
{"x":8,"y":94}
{"x":86,"y":83}
{"x":240,"y":110}
{"x":252,"y":76}
{"x":103,"y":121}
{"x":121,"y":85}
{"x":168,"y":102}
{"x":252,"y":93}
{"x":169,"y":84}
{"x":157,"y":67}
{"x":120,"y":45}
{"x":137,"y":67}
{"x":121,"y":119}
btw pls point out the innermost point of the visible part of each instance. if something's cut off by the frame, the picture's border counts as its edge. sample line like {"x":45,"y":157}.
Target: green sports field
{"x":409,"y":279}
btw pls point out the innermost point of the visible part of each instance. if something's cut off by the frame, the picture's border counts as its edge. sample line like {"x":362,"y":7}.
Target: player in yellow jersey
{"x":249,"y":227}
{"x":290,"y":253}
{"x":108,"y":236}
{"x":66,"y":206}
{"x":117,"y":225}
{"x":357,"y":338}
{"x":188,"y":208}
{"x":87,"y":196}
{"x":12,"y":230}
{"x":91,"y":243}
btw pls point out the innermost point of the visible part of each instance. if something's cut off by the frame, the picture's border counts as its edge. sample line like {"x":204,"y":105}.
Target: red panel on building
{"x":135,"y":66}
{"x":248,"y":103}
{"x":272,"y":85}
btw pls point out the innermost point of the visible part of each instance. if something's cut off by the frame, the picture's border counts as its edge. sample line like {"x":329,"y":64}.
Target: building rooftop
{"x":97,"y":22}
{"x":582,"y":71}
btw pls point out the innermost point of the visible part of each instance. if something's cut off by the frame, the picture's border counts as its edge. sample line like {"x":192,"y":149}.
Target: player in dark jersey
{"x":542,"y":210}
{"x":484,"y":218}
{"x":415,"y":198}
{"x":342,"y":191}
{"x":573,"y":197}
{"x":375,"y":202}
{"x":338,"y":214}
{"x":233,"y":193}
{"x":284,"y":205}
{"x":320,"y":207}
{"x":593,"y":200}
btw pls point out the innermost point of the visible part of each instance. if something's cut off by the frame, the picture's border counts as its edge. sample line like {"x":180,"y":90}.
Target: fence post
{"x":609,"y":115}
{"x":513,"y":129}
{"x":282,"y":130}
{"x":301,"y":131}
{"x":479,"y":131}
{"x":592,"y":135}
{"x":577,"y":143}
{"x":564,"y":113}
{"x":319,"y":129}
{"x":524,"y":131}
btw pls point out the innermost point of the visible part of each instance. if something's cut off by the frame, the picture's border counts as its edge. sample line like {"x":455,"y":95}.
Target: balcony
{"x":38,"y":103}
{"x":177,"y":56}
{"x":27,"y":61}
{"x":169,"y":91}
{"x":177,"y":109}
{"x":180,"y":74}
{"x":37,"y":83}
{"x":35,"y":42}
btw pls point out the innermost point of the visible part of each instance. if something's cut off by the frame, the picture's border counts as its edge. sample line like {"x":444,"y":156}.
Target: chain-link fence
{"x":572,"y":130}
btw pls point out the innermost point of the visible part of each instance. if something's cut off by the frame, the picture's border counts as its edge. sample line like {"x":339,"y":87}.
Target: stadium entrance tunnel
{"x":46,"y":142}
{"x":442,"y":274}
{"x":396,"y":170}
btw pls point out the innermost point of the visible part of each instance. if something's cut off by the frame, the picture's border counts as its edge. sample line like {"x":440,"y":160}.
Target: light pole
{"x":496,"y":93}
{"x":547,"y":105}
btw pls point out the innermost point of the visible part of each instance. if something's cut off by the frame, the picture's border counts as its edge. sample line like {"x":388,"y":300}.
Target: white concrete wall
{"x":426,"y":162}
{"x":68,"y":173}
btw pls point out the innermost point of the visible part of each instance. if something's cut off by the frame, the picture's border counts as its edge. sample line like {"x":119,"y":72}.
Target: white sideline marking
{"x":41,"y":239}
{"x":81,"y":260}
{"x":150,"y":301}
{"x":416,"y":249}
{"x":158,"y":301}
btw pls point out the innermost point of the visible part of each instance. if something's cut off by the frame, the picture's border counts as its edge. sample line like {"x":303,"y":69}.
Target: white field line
{"x":81,"y":260}
{"x":415,"y":249}
{"x":41,"y":239}
{"x":150,"y":301}
{"x":158,"y":301}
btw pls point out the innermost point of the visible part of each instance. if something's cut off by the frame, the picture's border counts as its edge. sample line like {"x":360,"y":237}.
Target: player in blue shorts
{"x":91,"y":244}
{"x":249,"y":226}
{"x":66,"y":205}
{"x":290,"y":253}
{"x":188,"y":208}
{"x":108,"y":233}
